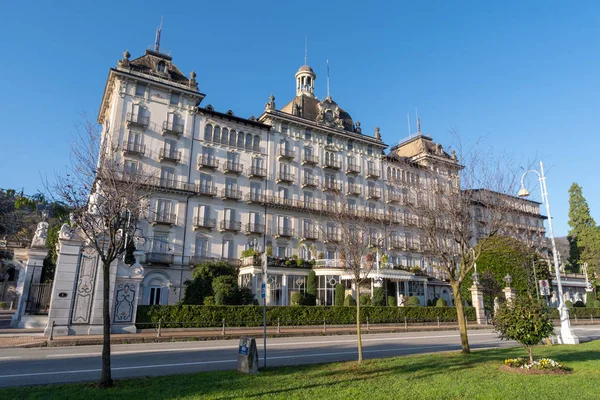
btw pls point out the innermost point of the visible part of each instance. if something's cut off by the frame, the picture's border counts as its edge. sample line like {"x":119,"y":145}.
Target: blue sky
{"x":521,"y":77}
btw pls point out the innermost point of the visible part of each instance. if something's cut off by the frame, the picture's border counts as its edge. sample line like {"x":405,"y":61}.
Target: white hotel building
{"x":226,"y":183}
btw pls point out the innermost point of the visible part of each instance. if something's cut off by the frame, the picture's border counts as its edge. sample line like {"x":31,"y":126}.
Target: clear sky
{"x":521,"y":76}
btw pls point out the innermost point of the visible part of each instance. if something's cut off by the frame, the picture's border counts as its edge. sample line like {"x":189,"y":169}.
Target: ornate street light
{"x":566,"y":333}
{"x":508,"y":280}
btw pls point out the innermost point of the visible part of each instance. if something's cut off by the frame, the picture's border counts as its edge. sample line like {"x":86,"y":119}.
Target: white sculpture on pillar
{"x":41,"y":233}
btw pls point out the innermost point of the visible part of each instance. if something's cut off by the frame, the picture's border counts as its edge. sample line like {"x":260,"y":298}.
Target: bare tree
{"x":107,"y":201}
{"x":355,"y":234}
{"x":459,"y":212}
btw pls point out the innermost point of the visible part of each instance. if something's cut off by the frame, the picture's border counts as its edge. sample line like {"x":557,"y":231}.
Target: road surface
{"x":36,"y":366}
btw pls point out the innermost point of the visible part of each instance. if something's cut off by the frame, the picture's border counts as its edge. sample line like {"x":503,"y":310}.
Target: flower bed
{"x":541,"y":366}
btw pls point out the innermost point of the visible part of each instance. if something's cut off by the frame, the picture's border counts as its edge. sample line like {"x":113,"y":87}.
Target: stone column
{"x":127,"y":285}
{"x":32,"y":260}
{"x":510,"y":294}
{"x":477,"y":298}
{"x":398,"y":293}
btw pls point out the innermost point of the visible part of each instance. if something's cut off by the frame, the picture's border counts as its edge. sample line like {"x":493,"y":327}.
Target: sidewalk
{"x":34,"y":338}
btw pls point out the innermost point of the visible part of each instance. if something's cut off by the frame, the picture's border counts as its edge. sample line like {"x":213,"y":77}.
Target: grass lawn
{"x":436,"y":376}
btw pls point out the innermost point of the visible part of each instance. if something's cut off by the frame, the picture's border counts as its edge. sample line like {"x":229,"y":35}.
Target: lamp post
{"x":566,"y":333}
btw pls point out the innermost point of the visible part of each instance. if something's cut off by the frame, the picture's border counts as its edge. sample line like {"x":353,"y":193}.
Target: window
{"x":230,"y":184}
{"x":225,"y":136}
{"x":130,"y":167}
{"x":161,"y":67}
{"x":174,"y":99}
{"x":167,"y":176}
{"x":283,"y":192}
{"x":163,"y":209}
{"x":240,"y":140}
{"x":329,"y":139}
{"x":370,"y":150}
{"x":350,"y":145}
{"x":228,"y":249}
{"x":308,"y":134}
{"x":308,"y":198}
{"x":281,"y":251}
{"x":205,"y":183}
{"x":296,"y":283}
{"x":217,"y":134}
{"x":284,"y":128}
{"x":160,"y":243}
{"x":155,"y":295}
{"x":326,"y":286}
{"x":248,"y":141}
{"x":257,"y":163}
{"x":201,"y":248}
{"x":256,"y":143}
{"x":140,"y":89}
{"x":274,"y":290}
{"x":232,"y":138}
{"x":208,"y":131}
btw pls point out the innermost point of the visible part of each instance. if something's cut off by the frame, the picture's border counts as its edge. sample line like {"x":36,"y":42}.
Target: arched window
{"x":161,"y":67}
{"x":240,"y":143}
{"x":232,"y":138}
{"x":225,"y":136}
{"x":208,"y":131}
{"x":256,"y":143}
{"x":217,"y":134}
{"x":248,"y":141}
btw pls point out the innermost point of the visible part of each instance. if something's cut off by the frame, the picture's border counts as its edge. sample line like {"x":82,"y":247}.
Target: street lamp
{"x":566,"y":333}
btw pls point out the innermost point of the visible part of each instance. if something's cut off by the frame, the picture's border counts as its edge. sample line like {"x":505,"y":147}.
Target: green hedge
{"x":212,"y":316}
{"x":579,"y":312}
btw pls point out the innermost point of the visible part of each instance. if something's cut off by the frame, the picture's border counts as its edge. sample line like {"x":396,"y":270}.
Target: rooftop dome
{"x":306,"y":68}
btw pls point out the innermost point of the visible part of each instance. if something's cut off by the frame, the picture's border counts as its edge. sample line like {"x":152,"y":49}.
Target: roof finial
{"x":306,"y":49}
{"x":328,"y":94}
{"x":157,"y":38}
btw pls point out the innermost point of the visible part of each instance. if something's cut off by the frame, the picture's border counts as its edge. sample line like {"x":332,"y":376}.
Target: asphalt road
{"x":36,"y":366}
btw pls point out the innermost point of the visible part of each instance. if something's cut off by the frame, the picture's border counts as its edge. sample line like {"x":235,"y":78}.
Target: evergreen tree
{"x":311,"y":289}
{"x":340,"y":293}
{"x":582,"y":225}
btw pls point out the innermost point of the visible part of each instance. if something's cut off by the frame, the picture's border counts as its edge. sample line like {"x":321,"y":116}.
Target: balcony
{"x":352,"y":169}
{"x":255,"y":228}
{"x":373,"y":173}
{"x":208,"y":162}
{"x":164,"y":219}
{"x":233,"y":168}
{"x":309,"y":204}
{"x":207,"y":223}
{"x":332,"y":237}
{"x":172,"y":128}
{"x":354,"y":189}
{"x":309,"y":233}
{"x":286,"y":153}
{"x":373,"y":193}
{"x":134,"y":149}
{"x":283,"y":231}
{"x":393,"y":197}
{"x":257,"y":172}
{"x":169,"y":155}
{"x":396,"y":244}
{"x":231,"y":194}
{"x":310,"y":181}
{"x":333,"y":186}
{"x":137,"y":119}
{"x":310,"y":159}
{"x":207,"y":189}
{"x":285,"y":177}
{"x":332,"y":164}
{"x":229,"y":225}
{"x":255,"y":197}
{"x":171,"y":184}
{"x":331,"y":207}
{"x":159,"y":258}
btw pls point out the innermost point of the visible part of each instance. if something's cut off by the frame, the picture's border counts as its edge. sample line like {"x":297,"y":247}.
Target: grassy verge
{"x":436,"y":376}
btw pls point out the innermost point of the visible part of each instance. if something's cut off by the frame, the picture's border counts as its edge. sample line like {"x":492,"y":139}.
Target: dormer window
{"x":161,"y":67}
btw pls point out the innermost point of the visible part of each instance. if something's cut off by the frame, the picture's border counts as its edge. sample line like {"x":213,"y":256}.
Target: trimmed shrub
{"x":569,"y":304}
{"x":297,"y":299}
{"x":311,"y":289}
{"x":441,"y":303}
{"x":365,"y":300}
{"x":340,"y":291}
{"x":190,"y":316}
{"x":430,"y":303}
{"x":579,"y":303}
{"x":596,"y":303}
{"x":590,"y":299}
{"x":413,"y":301}
{"x":209,"y":301}
{"x":391,"y":301}
{"x":378,"y":297}
{"x":349,"y":301}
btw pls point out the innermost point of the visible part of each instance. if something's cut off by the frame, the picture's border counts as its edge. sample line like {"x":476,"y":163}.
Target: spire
{"x":328,"y":93}
{"x":157,"y":38}
{"x":305,"y":49}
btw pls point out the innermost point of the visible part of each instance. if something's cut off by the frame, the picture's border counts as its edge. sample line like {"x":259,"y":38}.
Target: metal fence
{"x":38,"y":301}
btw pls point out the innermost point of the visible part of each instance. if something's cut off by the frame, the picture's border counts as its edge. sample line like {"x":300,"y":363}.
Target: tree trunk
{"x":358,"y":337}
{"x":105,"y":377}
{"x":530,"y":351}
{"x":460,"y":313}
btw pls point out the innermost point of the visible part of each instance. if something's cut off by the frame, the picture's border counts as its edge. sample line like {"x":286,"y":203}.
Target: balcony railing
{"x":208,"y":162}
{"x":254,"y":197}
{"x":159,"y":258}
{"x":393,"y":197}
{"x":255,"y":228}
{"x":169,"y":155}
{"x":138,"y":119}
{"x":373,"y":173}
{"x":354,"y":189}
{"x":373,"y":193}
{"x":172,"y":127}
{"x":332,"y":163}
{"x":231,"y":194}
{"x":285,"y":177}
{"x":230,"y":225}
{"x":164,"y":219}
{"x":332,"y":185}
{"x":172,"y":184}
{"x":233,"y":167}
{"x":310,"y":181}
{"x":310,"y":234}
{"x":283,"y":231}
{"x":257,"y":172}
{"x":135,"y":149}
{"x":332,"y":237}
{"x":396,"y":244}
{"x":287,"y":153}
{"x":208,"y":223}
{"x":352,"y":169}
{"x":207,"y":189}
{"x":202,"y":258}
{"x":310,"y":159}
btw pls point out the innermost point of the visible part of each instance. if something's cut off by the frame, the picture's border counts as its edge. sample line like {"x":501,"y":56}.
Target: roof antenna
{"x":408,"y":118}
{"x":157,"y":39}
{"x":305,"y":49}
{"x":328,"y":94}
{"x":418,"y":120}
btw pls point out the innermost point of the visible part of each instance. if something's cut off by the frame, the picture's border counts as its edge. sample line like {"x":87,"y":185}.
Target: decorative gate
{"x":38,"y":302}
